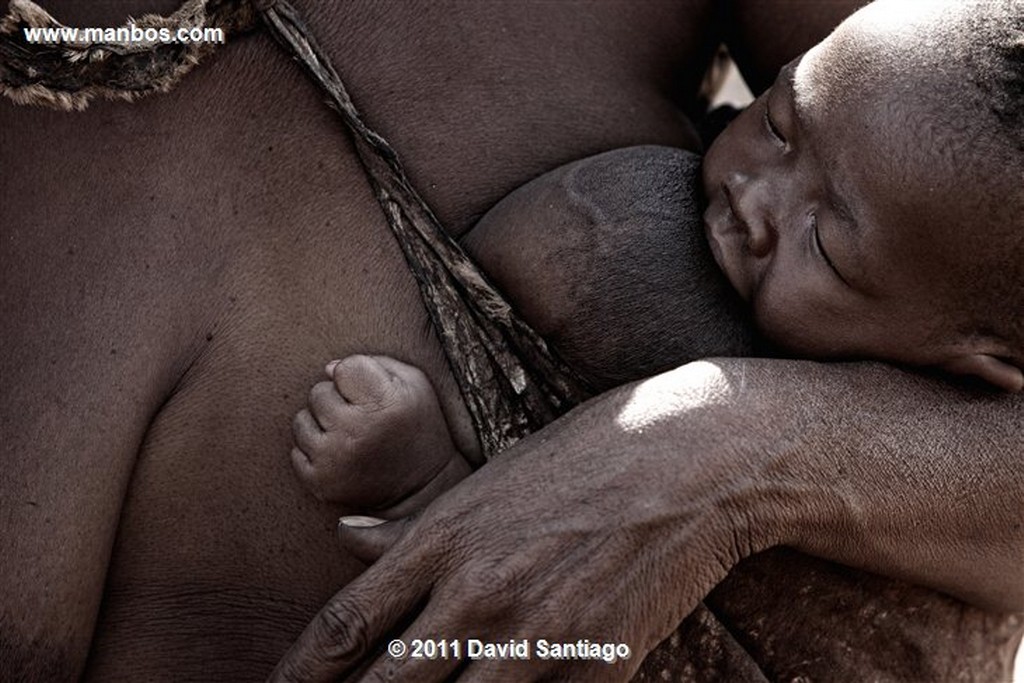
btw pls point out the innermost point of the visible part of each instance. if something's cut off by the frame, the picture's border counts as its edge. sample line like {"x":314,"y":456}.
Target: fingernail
{"x":360,"y":521}
{"x":330,"y":367}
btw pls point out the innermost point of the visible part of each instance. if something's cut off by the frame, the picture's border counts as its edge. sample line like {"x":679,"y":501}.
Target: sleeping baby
{"x":867,"y":206}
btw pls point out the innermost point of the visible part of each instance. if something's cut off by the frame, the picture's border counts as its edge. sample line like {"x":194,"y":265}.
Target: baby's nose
{"x":760,"y":237}
{"x":747,"y":201}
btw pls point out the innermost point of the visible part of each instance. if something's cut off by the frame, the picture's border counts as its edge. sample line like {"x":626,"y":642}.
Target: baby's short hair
{"x":961,"y":62}
{"x":989,"y":40}
{"x":986,"y":38}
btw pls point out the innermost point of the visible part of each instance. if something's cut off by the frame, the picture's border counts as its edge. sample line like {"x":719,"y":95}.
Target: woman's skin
{"x":177,"y":271}
{"x":674,"y":480}
{"x":168,"y":271}
{"x":857,"y":465}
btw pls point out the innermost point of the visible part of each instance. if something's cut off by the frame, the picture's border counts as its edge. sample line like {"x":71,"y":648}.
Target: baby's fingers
{"x":327,"y":406}
{"x":364,"y":381}
{"x":306,"y":432}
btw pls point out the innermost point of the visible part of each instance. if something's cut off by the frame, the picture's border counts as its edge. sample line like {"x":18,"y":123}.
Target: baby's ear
{"x":996,"y":371}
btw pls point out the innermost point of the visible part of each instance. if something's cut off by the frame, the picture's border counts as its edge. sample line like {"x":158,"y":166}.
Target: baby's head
{"x":871,"y":203}
{"x":606,"y":258}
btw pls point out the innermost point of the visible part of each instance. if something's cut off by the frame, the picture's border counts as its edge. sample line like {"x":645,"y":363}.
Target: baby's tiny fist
{"x":371,"y":436}
{"x":364,"y":381}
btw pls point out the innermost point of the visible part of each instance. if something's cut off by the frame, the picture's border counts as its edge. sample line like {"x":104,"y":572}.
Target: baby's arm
{"x":374,"y":438}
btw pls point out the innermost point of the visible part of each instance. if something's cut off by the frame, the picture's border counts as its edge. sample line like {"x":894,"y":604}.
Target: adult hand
{"x":611,"y":524}
{"x":552,"y":540}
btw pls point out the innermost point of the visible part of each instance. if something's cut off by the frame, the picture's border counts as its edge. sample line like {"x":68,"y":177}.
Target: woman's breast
{"x":221,"y":557}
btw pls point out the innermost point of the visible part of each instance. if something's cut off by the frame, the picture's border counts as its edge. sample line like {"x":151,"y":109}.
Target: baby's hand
{"x":373,"y":437}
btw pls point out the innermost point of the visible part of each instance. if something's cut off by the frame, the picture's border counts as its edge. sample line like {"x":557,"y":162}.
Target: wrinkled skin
{"x":518,"y":551}
{"x":167,"y":269}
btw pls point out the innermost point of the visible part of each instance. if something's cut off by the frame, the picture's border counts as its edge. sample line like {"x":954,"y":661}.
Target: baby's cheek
{"x":796,"y":328}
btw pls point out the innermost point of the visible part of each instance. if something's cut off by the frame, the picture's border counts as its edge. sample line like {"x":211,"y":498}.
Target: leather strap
{"x":511,"y":381}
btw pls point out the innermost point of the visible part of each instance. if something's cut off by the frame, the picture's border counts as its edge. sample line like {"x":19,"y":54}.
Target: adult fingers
{"x":406,"y":660}
{"x":428,"y":650}
{"x":370,"y":537}
{"x":345,"y":632}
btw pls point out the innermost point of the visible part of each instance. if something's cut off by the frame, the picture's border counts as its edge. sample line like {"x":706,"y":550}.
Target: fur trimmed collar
{"x":68,"y":75}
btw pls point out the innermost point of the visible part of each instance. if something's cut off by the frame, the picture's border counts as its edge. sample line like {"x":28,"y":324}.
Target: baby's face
{"x":832,"y":216}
